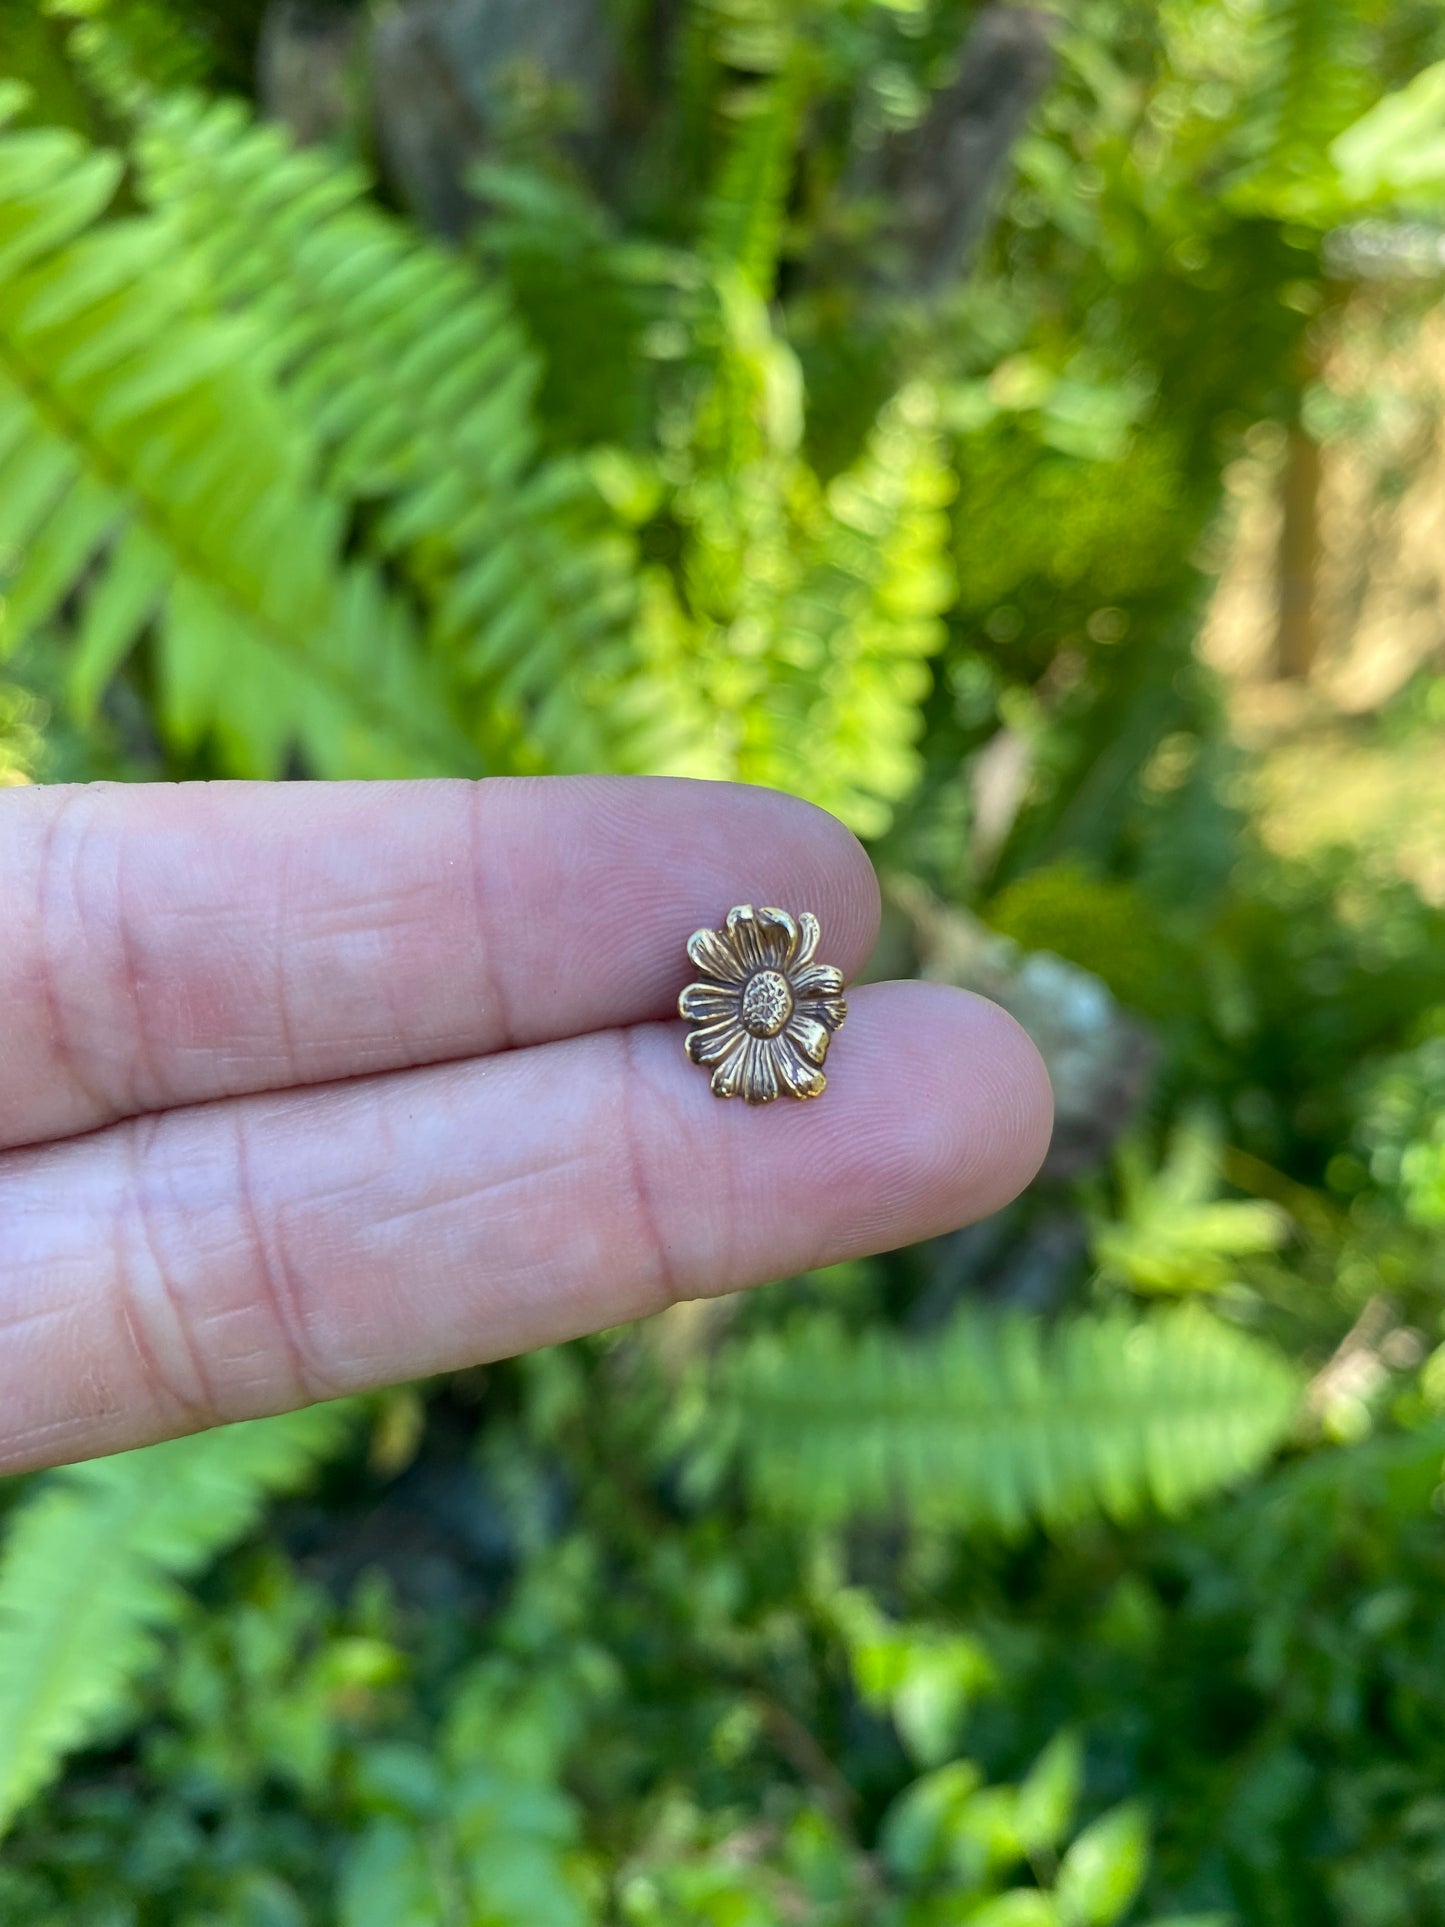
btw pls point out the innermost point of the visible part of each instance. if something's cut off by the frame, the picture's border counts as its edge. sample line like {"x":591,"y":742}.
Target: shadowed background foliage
{"x":1019,"y":433}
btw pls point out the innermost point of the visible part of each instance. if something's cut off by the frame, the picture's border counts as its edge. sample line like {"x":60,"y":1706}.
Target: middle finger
{"x":173,"y":945}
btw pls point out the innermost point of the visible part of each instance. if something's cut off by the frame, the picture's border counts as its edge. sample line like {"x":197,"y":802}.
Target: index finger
{"x":166,"y":944}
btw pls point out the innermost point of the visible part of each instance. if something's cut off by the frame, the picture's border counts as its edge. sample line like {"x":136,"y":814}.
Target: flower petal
{"x":809,"y":1034}
{"x":779,"y":932}
{"x":816,"y":980}
{"x":800,"y":1077}
{"x":760,"y":1081}
{"x":712,"y":1044}
{"x":826,"y":1010}
{"x":808,"y":934}
{"x":747,"y":938}
{"x":727,"y":1079}
{"x":712,"y":953}
{"x":708,"y":1003}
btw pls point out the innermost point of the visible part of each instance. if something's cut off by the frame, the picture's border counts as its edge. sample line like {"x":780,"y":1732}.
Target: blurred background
{"x":1020,"y":433}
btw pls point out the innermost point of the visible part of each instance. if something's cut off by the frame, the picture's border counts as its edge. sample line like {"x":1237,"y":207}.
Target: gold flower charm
{"x":764,"y":1008}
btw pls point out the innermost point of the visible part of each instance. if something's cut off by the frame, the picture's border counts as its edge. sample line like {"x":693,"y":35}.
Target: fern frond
{"x":1395,"y":153}
{"x":563,"y":256}
{"x":149,"y":472}
{"x":1313,"y":78}
{"x":411,"y":367}
{"x":1173,"y":1232}
{"x":744,"y":216}
{"x":814,"y":614}
{"x":89,"y":1572}
{"x":1000,"y":1422}
{"x":748,"y":36}
{"x":874,"y":607}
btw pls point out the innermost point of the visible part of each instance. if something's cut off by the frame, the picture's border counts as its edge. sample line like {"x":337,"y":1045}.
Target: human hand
{"x":306,"y":1088}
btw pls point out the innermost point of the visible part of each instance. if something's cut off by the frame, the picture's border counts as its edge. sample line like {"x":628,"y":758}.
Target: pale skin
{"x":307,"y":1088}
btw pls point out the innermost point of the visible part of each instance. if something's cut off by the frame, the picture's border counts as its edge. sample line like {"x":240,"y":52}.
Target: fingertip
{"x":845,"y":856}
{"x":937,"y":1112}
{"x":1015,"y":1094}
{"x":949,"y":1111}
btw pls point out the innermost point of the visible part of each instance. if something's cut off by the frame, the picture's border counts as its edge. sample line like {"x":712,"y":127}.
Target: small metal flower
{"x":764,"y":1009}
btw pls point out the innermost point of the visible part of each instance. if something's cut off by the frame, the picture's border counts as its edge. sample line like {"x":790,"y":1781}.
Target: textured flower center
{"x":767,"y":1003}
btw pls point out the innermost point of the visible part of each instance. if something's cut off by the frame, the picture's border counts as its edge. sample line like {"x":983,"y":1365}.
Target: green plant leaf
{"x":1104,"y":1869}
{"x":920,"y":1828}
{"x":89,"y":1572}
{"x":1025,"y":1907}
{"x":1396,"y":152}
{"x":151,"y":470}
{"x":1049,"y":1793}
{"x":999,"y":1421}
{"x":410,"y":370}
{"x":1172,"y":1234}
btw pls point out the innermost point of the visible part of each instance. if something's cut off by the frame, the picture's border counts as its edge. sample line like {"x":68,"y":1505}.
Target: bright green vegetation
{"x":1084,"y":1569}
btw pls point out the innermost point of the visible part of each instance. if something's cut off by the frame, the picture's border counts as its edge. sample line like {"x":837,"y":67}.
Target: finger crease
{"x":274,"y":1276}
{"x":645,"y":1213}
{"x":495,"y":991}
{"x":57,"y":854}
{"x":197,"y":1407}
{"x":146,"y":1087}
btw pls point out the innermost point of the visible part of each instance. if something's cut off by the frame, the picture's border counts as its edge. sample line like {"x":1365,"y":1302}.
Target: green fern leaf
{"x":1312,"y":78}
{"x":999,"y":1423}
{"x":151,"y":475}
{"x":414,"y":375}
{"x":1395,"y":154}
{"x":89,"y":1572}
{"x":744,"y":217}
{"x":874,"y":605}
{"x":1173,"y":1233}
{"x":813,"y":615}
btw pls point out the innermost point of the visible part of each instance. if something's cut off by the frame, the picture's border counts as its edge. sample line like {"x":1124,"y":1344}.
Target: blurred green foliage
{"x":874,"y":1601}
